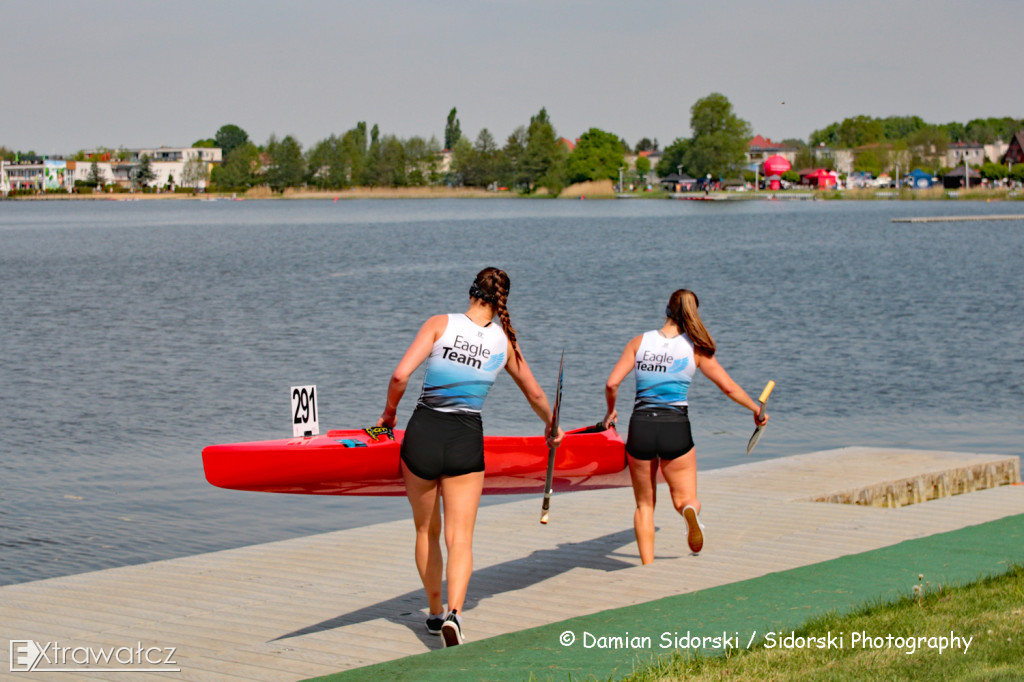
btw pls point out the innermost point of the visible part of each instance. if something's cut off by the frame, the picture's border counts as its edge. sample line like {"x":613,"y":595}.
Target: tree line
{"x":534,"y":157}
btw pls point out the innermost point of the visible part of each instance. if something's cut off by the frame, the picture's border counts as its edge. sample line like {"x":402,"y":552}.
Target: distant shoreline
{"x":263,"y":193}
{"x":572,"y":192}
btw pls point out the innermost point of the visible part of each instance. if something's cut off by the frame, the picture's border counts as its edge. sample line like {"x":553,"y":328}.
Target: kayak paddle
{"x":548,"y":481}
{"x":760,"y":413}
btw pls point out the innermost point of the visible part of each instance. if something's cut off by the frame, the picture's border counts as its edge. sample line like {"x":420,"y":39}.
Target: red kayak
{"x":359,"y":462}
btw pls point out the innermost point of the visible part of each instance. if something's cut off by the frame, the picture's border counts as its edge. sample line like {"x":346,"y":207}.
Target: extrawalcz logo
{"x":31,"y":656}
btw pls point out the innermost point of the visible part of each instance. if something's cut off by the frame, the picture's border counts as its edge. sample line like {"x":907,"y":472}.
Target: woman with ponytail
{"x":443,"y":447}
{"x":665,"y":361}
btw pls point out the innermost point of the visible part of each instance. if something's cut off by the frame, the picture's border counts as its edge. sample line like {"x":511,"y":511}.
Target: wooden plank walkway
{"x":315,"y":605}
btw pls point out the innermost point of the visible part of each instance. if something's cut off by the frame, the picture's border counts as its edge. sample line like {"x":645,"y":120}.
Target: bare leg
{"x":644,"y":474}
{"x":461,"y":498}
{"x":426,"y":515}
{"x":681,"y":476}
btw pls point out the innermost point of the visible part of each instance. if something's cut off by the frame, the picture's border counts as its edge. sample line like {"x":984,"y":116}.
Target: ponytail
{"x":682,"y":309}
{"x":491,"y":286}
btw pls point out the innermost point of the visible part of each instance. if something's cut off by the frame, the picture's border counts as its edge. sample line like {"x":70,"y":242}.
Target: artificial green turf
{"x":738,"y":611}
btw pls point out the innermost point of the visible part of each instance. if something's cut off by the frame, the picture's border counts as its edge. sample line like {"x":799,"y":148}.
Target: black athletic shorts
{"x":443,"y":443}
{"x":660,"y":433}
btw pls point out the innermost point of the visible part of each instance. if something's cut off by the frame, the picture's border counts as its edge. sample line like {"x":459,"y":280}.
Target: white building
{"x":172,"y":166}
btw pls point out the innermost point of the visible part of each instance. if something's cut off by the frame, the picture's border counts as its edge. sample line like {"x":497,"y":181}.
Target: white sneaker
{"x":694,"y":528}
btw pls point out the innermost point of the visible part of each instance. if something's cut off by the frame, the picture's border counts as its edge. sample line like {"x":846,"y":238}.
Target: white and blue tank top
{"x":463,"y":365}
{"x":664,"y":368}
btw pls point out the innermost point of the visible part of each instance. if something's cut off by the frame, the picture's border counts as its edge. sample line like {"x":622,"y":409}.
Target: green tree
{"x":597,"y":156}
{"x":674,"y":157}
{"x":957,"y":132}
{"x":421,"y":160}
{"x":195,"y":173}
{"x":287,"y":166}
{"x":463,"y":169}
{"x":994,"y":171}
{"x":828,"y":136}
{"x":95,"y":177}
{"x":860,"y":130}
{"x":477,"y":165}
{"x":901,"y":127}
{"x":386,"y":165}
{"x":239,"y":169}
{"x":510,"y":156}
{"x":814,"y":157}
{"x":355,"y":145}
{"x":542,"y":161}
{"x":144,"y":173}
{"x":452,"y":130}
{"x":647,"y":145}
{"x":720,"y":137}
{"x":229,"y":138}
{"x":869,"y":161}
{"x":208,"y":143}
{"x":643,"y":167}
{"x":328,"y":164}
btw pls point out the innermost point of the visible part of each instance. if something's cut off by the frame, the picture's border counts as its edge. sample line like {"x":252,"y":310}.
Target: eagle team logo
{"x":464,"y":352}
{"x":660,"y":362}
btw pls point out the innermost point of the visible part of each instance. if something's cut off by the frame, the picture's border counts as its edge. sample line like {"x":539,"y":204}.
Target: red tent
{"x":821,"y":178}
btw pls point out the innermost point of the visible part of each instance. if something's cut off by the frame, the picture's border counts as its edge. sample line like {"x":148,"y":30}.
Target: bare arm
{"x":714,"y":371}
{"x":526,"y":382}
{"x":417,"y":352}
{"x":620,"y":371}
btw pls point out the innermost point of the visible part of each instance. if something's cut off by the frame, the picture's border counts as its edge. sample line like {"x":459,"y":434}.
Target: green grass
{"x":990,"y":611}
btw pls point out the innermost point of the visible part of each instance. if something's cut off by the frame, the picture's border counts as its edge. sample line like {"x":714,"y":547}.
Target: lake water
{"x":133,"y":334}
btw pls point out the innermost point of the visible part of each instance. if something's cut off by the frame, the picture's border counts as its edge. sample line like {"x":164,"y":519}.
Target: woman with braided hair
{"x":443,"y":447}
{"x":665,"y":360}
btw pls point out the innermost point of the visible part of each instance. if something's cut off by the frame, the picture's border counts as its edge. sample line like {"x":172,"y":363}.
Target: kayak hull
{"x":350,"y":462}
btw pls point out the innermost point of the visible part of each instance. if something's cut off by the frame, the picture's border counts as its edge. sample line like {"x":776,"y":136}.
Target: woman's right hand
{"x":610,"y":418}
{"x":387,"y":420}
{"x":762,"y":420}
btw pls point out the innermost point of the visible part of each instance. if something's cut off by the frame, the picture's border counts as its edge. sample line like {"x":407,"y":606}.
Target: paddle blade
{"x":754,"y":438}
{"x":763,"y":398}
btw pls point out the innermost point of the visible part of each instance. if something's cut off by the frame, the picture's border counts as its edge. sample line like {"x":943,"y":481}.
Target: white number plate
{"x":304,"y":411}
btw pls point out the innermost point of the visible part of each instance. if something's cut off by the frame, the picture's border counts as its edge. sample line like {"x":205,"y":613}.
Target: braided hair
{"x":491,"y":286}
{"x":682,"y":309}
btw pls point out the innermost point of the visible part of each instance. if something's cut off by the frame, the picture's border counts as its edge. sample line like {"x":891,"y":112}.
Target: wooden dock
{"x":315,"y":605}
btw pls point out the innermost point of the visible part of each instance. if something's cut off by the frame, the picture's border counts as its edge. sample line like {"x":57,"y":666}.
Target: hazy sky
{"x":80,"y":74}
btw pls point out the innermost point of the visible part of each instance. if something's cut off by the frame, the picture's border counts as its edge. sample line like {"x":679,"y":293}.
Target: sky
{"x":79,"y":75}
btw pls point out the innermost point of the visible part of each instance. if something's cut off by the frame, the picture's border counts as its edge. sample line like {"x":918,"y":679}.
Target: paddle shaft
{"x":549,"y":478}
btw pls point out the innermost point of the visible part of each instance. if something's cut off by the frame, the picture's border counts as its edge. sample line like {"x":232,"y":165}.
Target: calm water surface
{"x":134,"y":334}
